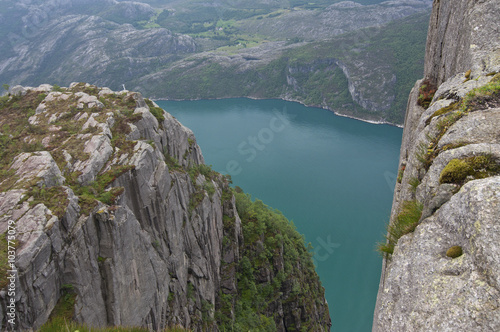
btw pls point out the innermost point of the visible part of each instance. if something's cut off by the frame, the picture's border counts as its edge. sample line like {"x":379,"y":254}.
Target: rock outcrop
{"x":441,"y":272}
{"x":114,"y":210}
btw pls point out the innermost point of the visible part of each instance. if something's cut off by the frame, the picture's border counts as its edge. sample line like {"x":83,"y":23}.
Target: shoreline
{"x":294,"y":101}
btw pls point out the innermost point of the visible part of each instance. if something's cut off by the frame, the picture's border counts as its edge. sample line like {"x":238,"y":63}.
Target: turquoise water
{"x":333,"y":176}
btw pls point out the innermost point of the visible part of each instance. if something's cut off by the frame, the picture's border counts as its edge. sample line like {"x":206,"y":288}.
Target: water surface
{"x":333,"y":176}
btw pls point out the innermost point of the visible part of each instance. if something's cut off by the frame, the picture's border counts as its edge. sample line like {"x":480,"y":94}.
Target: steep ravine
{"x":441,"y":271}
{"x":116,"y":215}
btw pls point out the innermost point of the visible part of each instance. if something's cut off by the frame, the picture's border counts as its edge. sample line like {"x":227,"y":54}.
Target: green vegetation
{"x":318,"y":80}
{"x":156,"y":111}
{"x":192,"y":18}
{"x":205,"y":170}
{"x":454,"y":252}
{"x":405,"y":222}
{"x":4,"y":262}
{"x":461,"y":170}
{"x":64,"y":309}
{"x":401,"y":173}
{"x":486,"y":96}
{"x":208,"y":186}
{"x":268,"y":237}
{"x":98,"y":189}
{"x":55,"y":198}
{"x":427,"y":152}
{"x":414,"y":183}
{"x":426,"y":93}
{"x":441,"y":111}
{"x":63,"y":325}
{"x":57,"y":88}
{"x":15,"y":128}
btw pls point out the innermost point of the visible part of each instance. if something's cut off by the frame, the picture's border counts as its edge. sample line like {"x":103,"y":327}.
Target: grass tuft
{"x":406,"y":222}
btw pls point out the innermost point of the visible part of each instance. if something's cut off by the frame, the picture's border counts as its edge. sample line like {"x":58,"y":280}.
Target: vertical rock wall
{"x":423,"y":287}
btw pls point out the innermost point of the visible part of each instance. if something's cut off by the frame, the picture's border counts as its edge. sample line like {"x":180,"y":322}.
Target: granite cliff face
{"x":115,"y":211}
{"x":443,"y":274}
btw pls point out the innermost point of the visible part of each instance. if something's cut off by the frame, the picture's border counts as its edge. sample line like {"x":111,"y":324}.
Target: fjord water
{"x":333,"y":176}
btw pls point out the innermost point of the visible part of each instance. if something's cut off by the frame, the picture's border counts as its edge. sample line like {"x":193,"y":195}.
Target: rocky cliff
{"x":116,"y":217}
{"x":441,"y":271}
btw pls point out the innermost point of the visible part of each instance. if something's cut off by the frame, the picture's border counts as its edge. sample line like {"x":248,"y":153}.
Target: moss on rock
{"x":460,"y":170}
{"x":454,"y":252}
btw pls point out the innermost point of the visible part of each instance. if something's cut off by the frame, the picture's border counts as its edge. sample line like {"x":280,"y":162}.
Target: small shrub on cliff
{"x":426,"y":93}
{"x":454,"y":252}
{"x":57,"y":88}
{"x":209,"y":188}
{"x":414,"y":183}
{"x":401,"y":173}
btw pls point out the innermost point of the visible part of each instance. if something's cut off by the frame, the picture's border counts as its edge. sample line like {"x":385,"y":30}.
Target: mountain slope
{"x":114,"y":43}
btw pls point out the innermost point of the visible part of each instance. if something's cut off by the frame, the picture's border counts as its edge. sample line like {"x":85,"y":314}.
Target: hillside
{"x":113,"y":43}
{"x":114,"y":219}
{"x":366,"y":74}
{"x":441,"y":266}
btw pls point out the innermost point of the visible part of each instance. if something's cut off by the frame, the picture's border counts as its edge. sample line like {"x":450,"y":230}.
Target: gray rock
{"x":477,"y":127}
{"x":460,"y":38}
{"x":37,"y":165}
{"x":18,"y":90}
{"x":154,"y":257}
{"x":424,"y":290}
{"x":421,"y":289}
{"x":458,"y":86}
{"x":99,"y":148}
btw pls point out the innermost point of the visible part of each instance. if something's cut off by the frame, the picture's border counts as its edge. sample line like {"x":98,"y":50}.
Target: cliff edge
{"x":110,"y":218}
{"x":441,"y":270}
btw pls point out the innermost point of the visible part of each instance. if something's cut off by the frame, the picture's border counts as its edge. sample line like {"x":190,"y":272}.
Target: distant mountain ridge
{"x":114,"y":43}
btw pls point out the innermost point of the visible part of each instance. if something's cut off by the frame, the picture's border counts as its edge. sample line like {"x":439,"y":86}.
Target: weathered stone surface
{"x":421,"y":289}
{"x":462,"y":35}
{"x":38,"y":165}
{"x":477,"y":127}
{"x":426,"y":291}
